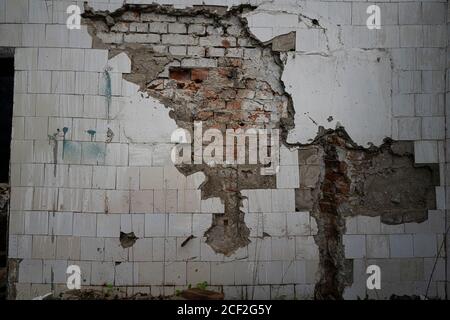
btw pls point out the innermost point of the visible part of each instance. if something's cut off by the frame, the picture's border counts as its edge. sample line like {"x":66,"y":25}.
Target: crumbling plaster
{"x":356,"y":95}
{"x":352,"y":86}
{"x":327,"y":181}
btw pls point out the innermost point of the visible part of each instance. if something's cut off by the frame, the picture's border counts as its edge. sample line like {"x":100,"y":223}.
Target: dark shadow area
{"x":6,"y":107}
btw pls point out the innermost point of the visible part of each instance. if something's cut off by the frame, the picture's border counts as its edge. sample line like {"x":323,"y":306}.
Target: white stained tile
{"x":68,"y":247}
{"x":212,"y":205}
{"x":71,"y":105}
{"x":127,"y":178}
{"x":140,"y":155}
{"x":368,"y":225}
{"x":102,"y":273}
{"x":49,"y":59}
{"x":84,"y":224}
{"x":201,"y":223}
{"x":54,"y":271}
{"x":288,"y":157}
{"x":426,"y":152}
{"x":26,"y":59}
{"x":283,"y":200}
{"x":355,"y":246}
{"x":47,"y":105}
{"x":108,"y":225}
{"x":401,"y":245}
{"x":425,"y":245}
{"x":189,"y":201}
{"x":117,"y":201}
{"x":80,"y":38}
{"x":116,"y":154}
{"x":33,"y":35}
{"x":80,"y":176}
{"x":60,"y":223}
{"x":104,"y":177}
{"x":57,"y":35}
{"x":377,"y":246}
{"x":63,"y":82}
{"x":283,"y":248}
{"x":30,"y":271}
{"x":86,"y":83}
{"x":36,"y":222}
{"x":24,"y":104}
{"x":16,"y":11}
{"x":151,"y":178}
{"x":298,"y":224}
{"x":274,"y":224}
{"x":142,"y":250}
{"x":120,"y":63}
{"x":155,"y":225}
{"x":259,"y":200}
{"x":123,"y":274}
{"x":95,"y":59}
{"x":306,"y":248}
{"x":288,"y":177}
{"x":39,"y":81}
{"x":142,"y":201}
{"x":72,"y":59}
{"x":180,"y":225}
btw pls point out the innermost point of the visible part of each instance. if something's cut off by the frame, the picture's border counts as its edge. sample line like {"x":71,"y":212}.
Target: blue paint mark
{"x":94,"y":152}
{"x":72,"y":151}
{"x":91,"y":133}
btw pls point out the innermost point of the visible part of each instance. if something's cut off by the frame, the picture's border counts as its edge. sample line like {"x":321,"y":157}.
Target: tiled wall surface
{"x":70,"y":199}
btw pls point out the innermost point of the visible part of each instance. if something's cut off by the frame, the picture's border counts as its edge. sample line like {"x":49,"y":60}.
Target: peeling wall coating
{"x":350,"y":181}
{"x":225,"y":78}
{"x":361,"y":176}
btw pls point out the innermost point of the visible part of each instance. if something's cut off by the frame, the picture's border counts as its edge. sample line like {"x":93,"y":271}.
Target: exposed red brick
{"x":226,"y":43}
{"x":217,"y":104}
{"x":204,"y":115}
{"x":222,"y":117}
{"x":180,"y":74}
{"x":228,"y":94}
{"x":199,"y":74}
{"x":192,"y":86}
{"x":237,"y":116}
{"x":234,"y":105}
{"x":208,"y":93}
{"x":225,"y":72}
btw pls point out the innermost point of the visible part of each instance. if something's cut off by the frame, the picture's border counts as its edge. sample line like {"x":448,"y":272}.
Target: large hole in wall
{"x":6,"y":105}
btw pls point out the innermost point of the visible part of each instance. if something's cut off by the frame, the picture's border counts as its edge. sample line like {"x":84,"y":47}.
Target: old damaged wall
{"x":385,"y":83}
{"x":93,"y":114}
